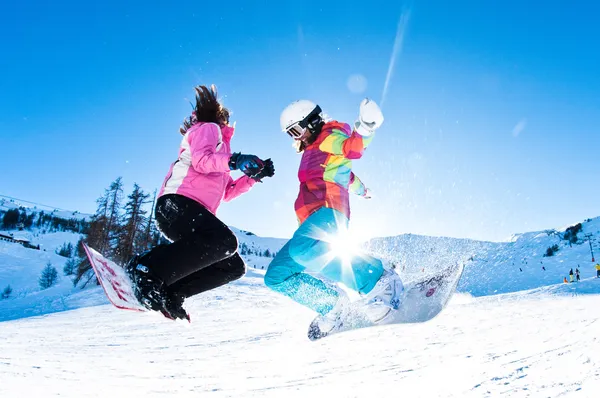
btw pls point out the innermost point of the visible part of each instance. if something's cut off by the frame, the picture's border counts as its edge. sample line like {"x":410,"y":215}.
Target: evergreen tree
{"x":103,"y":229}
{"x":40,"y":220}
{"x":551,"y":250}
{"x":70,"y":266}
{"x":10,"y":219}
{"x":106,"y":221}
{"x":28,"y":221}
{"x":83,"y":268}
{"x":6,"y":292}
{"x":113,"y":226}
{"x":66,"y":250}
{"x":131,"y":235}
{"x":150,"y":237}
{"x":96,"y":236}
{"x":48,"y":277}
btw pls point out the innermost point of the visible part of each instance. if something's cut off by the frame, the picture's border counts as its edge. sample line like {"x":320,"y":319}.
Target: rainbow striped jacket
{"x":325,"y":173}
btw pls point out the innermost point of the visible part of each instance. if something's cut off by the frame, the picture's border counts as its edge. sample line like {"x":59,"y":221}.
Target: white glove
{"x":369,"y":119}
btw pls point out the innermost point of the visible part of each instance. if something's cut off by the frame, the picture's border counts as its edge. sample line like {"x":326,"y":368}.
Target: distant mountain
{"x":7,"y":203}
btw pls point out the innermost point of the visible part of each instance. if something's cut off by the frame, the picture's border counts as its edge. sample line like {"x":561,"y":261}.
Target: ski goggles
{"x":295,"y":130}
{"x":298,"y":129}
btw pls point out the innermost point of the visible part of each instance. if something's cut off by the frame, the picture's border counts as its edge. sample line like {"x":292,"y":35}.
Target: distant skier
{"x":571,"y":275}
{"x":203,"y":253}
{"x":577,"y":276}
{"x":597,"y":270}
{"x":323,"y":209}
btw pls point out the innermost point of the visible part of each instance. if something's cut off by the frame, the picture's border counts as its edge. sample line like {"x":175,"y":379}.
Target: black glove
{"x":267,"y":171}
{"x":248,"y":164}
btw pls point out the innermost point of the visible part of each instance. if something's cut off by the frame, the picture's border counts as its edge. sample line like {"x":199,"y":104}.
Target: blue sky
{"x":492,"y":111}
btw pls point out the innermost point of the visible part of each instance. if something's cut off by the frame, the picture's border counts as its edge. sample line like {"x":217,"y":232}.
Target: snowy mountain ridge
{"x":8,"y":203}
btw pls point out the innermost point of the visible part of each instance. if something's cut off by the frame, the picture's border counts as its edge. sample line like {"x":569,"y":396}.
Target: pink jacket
{"x":201,"y":171}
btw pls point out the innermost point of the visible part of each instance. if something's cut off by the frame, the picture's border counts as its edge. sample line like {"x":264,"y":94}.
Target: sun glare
{"x":343,"y":245}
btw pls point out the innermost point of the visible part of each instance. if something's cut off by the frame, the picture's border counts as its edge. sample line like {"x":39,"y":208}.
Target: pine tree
{"x":103,"y":229}
{"x":66,"y":250}
{"x":28,"y":221}
{"x":106,"y":221}
{"x":131,"y":235}
{"x":10,"y":219}
{"x":149,"y":238}
{"x":83,"y":268}
{"x":40,"y":219}
{"x":70,"y":266}
{"x":115,"y":196}
{"x":6,"y":292}
{"x":49,"y":276}
{"x":22,"y":216}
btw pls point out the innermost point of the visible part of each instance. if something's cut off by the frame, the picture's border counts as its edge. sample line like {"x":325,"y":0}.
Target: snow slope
{"x":494,"y":268}
{"x":21,"y":267}
{"x":246,"y":341}
{"x":8,"y":203}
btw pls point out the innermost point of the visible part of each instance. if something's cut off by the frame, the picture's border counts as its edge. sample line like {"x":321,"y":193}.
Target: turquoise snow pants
{"x":308,"y":251}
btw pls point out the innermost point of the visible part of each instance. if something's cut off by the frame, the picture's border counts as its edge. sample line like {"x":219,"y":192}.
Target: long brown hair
{"x":207,"y":109}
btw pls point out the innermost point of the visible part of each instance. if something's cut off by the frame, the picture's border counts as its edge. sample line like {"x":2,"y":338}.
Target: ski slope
{"x":496,"y":267}
{"x":514,"y":333}
{"x":245,"y":341}
{"x":20,"y":267}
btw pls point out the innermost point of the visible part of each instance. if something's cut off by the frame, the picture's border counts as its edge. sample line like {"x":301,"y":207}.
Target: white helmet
{"x":299,"y":115}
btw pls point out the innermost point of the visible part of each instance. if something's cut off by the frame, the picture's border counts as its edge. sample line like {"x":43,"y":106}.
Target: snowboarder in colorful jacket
{"x":597,"y":270}
{"x":306,"y":269}
{"x":203,"y":253}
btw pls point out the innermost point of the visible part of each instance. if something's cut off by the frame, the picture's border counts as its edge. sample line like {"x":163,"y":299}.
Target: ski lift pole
{"x":589,"y":236}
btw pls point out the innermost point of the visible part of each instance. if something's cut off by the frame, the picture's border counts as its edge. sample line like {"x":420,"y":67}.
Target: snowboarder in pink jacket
{"x":203,"y":253}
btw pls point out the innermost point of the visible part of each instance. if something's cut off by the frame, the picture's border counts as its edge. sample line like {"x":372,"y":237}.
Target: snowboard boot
{"x":323,"y":325}
{"x":174,"y":307}
{"x":385,"y":296}
{"x":148,"y":288}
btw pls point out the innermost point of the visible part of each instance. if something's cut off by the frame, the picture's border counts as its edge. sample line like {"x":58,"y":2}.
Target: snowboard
{"x":115,"y":282}
{"x":421,"y":301}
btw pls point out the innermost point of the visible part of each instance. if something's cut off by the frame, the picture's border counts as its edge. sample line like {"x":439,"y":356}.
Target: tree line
{"x":121,"y":227}
{"x":23,"y":219}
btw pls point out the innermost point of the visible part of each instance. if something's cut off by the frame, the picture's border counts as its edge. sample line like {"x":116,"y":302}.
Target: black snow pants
{"x":203,"y":253}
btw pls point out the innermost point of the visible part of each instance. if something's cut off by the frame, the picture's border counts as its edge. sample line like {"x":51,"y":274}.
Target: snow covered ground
{"x":245,"y":341}
{"x":497,"y":267}
{"x":535,"y":337}
{"x":20,"y":267}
